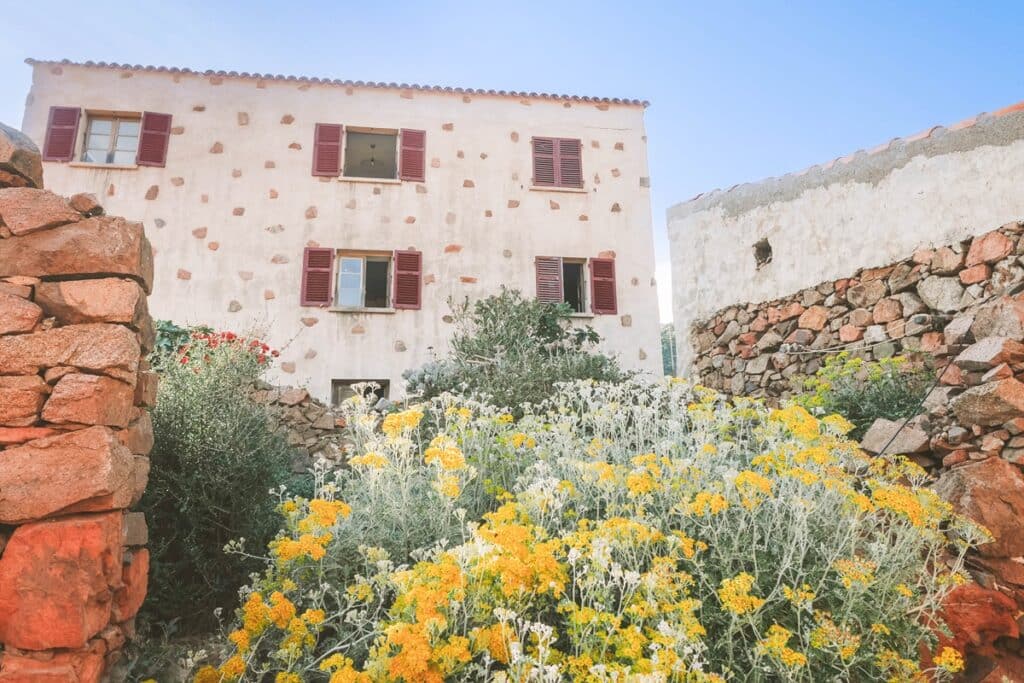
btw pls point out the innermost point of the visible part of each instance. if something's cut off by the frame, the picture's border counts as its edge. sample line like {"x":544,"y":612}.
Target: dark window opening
{"x":376,"y":284}
{"x":762,"y":252}
{"x":572,"y":285}
{"x":371,"y":155}
{"x":342,"y":389}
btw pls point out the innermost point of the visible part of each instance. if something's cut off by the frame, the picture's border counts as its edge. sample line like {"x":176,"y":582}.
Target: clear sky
{"x":739,"y":90}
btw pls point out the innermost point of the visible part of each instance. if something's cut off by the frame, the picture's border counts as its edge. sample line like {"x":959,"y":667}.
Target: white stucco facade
{"x":867,"y":209}
{"x":236,"y":204}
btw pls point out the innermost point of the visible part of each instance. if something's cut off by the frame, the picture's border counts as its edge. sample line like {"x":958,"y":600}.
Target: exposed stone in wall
{"x":308,"y":425}
{"x":970,"y":433}
{"x":74,"y":432}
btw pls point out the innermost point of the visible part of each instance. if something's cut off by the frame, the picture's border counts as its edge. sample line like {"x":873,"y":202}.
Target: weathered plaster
{"x":257,"y":201}
{"x":868,"y":209}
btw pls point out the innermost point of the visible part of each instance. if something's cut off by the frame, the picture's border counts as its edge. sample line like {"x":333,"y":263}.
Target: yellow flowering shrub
{"x":623,"y":532}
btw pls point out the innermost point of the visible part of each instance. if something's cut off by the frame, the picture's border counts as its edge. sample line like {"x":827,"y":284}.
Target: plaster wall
{"x":238,"y":174}
{"x":868,"y":209}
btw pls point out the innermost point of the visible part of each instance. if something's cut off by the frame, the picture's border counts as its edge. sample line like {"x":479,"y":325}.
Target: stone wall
{"x":74,"y":430}
{"x":961,"y":305}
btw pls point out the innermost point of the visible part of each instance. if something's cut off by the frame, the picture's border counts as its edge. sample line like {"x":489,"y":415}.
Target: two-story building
{"x":337,"y":218}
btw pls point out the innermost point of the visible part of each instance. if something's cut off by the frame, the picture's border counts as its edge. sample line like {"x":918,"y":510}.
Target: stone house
{"x":757,"y":242}
{"x":339,"y":218}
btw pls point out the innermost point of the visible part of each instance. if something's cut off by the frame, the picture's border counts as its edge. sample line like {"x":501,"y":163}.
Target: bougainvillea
{"x":626,"y":532}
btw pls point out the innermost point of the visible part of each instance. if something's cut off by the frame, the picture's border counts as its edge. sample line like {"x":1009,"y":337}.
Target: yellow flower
{"x":801,"y":597}
{"x":735,"y":594}
{"x":880,"y":629}
{"x":314,"y":617}
{"x":444,"y":451}
{"x":233,"y":668}
{"x":776,"y":644}
{"x":207,"y":674}
{"x":397,"y":423}
{"x":282,"y":610}
{"x":855,"y":570}
{"x":706,"y":503}
{"x":447,"y":485}
{"x":950,"y":660}
{"x":372,"y":460}
{"x":241,"y":640}
{"x":255,"y":615}
{"x":285,"y":677}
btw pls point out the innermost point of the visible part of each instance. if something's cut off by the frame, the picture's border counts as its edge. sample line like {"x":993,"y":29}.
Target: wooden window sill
{"x":362,"y":310}
{"x":582,"y":316}
{"x":372,"y":181}
{"x":552,"y":188}
{"x":109,"y":167}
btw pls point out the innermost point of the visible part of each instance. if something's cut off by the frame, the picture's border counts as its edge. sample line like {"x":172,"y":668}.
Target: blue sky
{"x":739,"y":90}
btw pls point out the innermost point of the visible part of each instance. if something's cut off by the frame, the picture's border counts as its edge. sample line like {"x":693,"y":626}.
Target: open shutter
{"x":570,"y":163}
{"x":153,"y":138}
{"x":544,"y":162}
{"x":61,"y":134}
{"x":327,"y":149}
{"x":602,"y":286}
{"x":549,"y":279}
{"x":412,"y":158}
{"x":317,"y":269}
{"x":408,"y":279}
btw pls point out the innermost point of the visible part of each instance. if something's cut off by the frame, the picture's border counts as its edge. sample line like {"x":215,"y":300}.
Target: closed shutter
{"x":549,"y":279}
{"x":570,"y":163}
{"x":602,"y":286}
{"x":327,"y":149}
{"x":412,"y":158}
{"x":61,"y":134}
{"x":317,"y":269}
{"x":153,"y":139}
{"x":544,"y":162}
{"x":408,"y":279}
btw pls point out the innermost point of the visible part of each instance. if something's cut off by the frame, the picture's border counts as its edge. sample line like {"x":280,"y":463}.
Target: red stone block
{"x":24,"y":210}
{"x":135,"y":577}
{"x":109,"y":349}
{"x":975,"y":274}
{"x":989,"y":248}
{"x":89,"y":400}
{"x":57,"y":580}
{"x":17,"y":314}
{"x":21,"y":398}
{"x":11,"y":436}
{"x":75,"y":666}
{"x":850,"y":333}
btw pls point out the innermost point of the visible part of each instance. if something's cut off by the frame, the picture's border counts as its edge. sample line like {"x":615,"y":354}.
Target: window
{"x":342,"y":389}
{"x":577,"y":283}
{"x":363,"y":280}
{"x":111,"y":140}
{"x":557,"y":162}
{"x":371,"y":154}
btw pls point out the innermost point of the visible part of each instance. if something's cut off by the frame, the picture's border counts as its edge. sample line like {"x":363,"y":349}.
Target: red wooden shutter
{"x":317,"y":269}
{"x":549,"y":279}
{"x":153,"y":138}
{"x":412,"y":159}
{"x":408,"y":267}
{"x":602,"y":286}
{"x":327,"y":149}
{"x":61,"y":134}
{"x":544,"y":173}
{"x":570,"y":163}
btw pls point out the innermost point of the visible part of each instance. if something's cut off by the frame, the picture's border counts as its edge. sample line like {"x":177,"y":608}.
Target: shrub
{"x":511,"y":350}
{"x":213,"y":463}
{"x":863,"y":391}
{"x":652,"y":533}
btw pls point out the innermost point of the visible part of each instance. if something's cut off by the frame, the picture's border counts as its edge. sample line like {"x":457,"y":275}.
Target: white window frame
{"x":116,"y":119}
{"x":363,"y":257}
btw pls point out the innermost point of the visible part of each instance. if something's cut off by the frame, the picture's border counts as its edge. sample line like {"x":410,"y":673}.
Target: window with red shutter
{"x":412,"y":158}
{"x":557,"y":162}
{"x":61,"y":134}
{"x":327,"y":149}
{"x":153,"y":139}
{"x":317,"y":270}
{"x":549,"y":279}
{"x":603,"y":298}
{"x":408,"y":279}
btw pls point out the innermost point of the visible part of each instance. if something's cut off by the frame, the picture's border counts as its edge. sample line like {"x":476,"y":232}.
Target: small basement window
{"x":371,"y":154}
{"x":111,"y":140}
{"x":342,"y":389}
{"x":573,"y":286}
{"x":364,"y":281}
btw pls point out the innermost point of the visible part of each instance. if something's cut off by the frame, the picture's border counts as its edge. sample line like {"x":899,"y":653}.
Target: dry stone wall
{"x":74,"y":429}
{"x":962,"y":305}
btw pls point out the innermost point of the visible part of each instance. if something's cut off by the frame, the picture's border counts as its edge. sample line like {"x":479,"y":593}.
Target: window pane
{"x":350,"y":297}
{"x":376,"y":284}
{"x":96,"y":141}
{"x":101,"y":126}
{"x":95,"y":156}
{"x":350,"y":282}
{"x":126,"y":143}
{"x":371,"y":155}
{"x":351,"y":265}
{"x":128,"y":128}
{"x":124,"y":157}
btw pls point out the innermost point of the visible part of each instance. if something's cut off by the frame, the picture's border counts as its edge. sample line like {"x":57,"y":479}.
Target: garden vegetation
{"x":618,"y":532}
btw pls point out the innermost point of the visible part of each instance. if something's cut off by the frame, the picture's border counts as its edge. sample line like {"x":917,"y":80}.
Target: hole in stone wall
{"x":762,"y":252}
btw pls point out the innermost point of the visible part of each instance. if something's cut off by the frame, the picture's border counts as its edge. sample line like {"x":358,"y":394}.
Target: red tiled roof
{"x":348,"y":83}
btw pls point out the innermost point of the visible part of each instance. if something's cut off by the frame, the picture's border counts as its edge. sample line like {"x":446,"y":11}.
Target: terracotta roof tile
{"x":346,"y":83}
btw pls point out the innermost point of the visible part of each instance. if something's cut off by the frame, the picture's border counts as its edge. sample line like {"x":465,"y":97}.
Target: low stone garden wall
{"x":74,"y":430}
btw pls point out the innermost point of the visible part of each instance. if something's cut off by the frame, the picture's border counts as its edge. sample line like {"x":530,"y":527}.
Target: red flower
{"x":184,"y":360}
